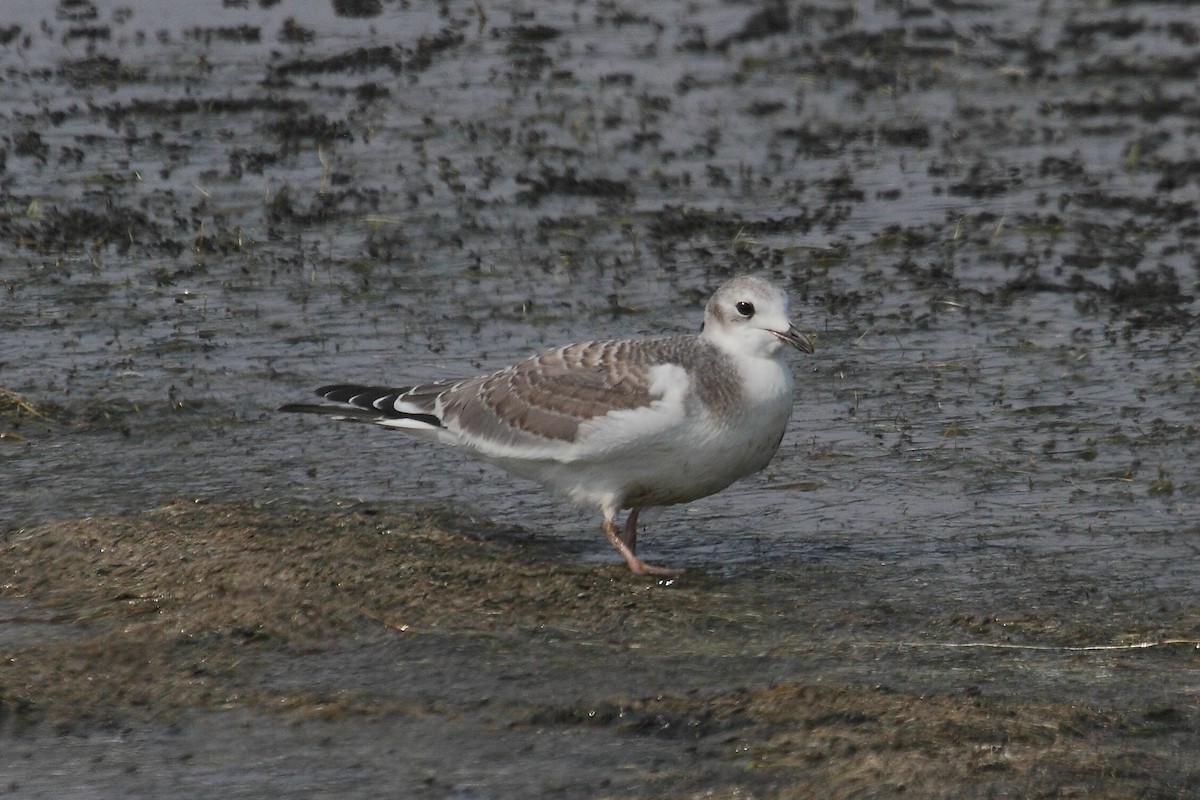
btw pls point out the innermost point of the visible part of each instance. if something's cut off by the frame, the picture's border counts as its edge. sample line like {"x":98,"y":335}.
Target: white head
{"x":749,"y":316}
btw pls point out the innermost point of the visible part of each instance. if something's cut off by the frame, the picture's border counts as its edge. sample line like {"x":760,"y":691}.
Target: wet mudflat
{"x":971,"y":571}
{"x":234,"y":648}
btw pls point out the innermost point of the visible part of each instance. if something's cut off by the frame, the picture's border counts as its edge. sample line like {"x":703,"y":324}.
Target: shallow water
{"x":987,"y":216}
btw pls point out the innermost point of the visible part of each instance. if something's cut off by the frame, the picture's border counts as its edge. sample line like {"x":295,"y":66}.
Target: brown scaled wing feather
{"x":549,"y":396}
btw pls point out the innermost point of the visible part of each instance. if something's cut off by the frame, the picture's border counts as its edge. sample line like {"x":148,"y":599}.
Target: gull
{"x":616,"y":424}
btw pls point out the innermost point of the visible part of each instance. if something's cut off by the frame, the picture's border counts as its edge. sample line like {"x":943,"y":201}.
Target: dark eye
{"x":745,"y":309}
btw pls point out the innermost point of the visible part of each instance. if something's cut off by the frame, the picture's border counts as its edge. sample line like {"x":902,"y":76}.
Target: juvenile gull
{"x":619,"y":424}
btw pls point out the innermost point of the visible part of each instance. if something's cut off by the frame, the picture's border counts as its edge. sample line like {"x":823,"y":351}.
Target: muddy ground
{"x":971,"y":571}
{"x":361,"y":649}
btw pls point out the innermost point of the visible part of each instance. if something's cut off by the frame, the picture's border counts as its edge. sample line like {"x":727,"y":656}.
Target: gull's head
{"x":748,"y":316}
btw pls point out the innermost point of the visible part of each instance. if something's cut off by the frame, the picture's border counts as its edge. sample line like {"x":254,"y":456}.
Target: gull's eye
{"x":745,"y":309}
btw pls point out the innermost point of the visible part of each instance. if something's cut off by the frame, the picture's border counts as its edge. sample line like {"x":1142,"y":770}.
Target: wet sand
{"x":971,"y":571}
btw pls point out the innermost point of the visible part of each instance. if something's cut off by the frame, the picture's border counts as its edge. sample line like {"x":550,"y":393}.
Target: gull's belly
{"x":699,"y":457}
{"x":705,"y":465}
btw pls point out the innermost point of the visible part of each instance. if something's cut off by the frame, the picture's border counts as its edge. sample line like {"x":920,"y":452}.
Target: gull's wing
{"x":550,"y":406}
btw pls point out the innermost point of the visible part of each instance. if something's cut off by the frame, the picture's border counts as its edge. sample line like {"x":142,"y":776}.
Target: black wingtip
{"x":346,"y":392}
{"x":362,"y":399}
{"x":308,"y":408}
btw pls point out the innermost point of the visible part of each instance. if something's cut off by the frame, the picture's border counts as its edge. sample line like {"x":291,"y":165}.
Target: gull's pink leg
{"x":636,"y":565}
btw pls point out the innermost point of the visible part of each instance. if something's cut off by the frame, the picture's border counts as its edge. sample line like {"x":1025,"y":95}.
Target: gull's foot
{"x":639,"y":567}
{"x":618,"y":540}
